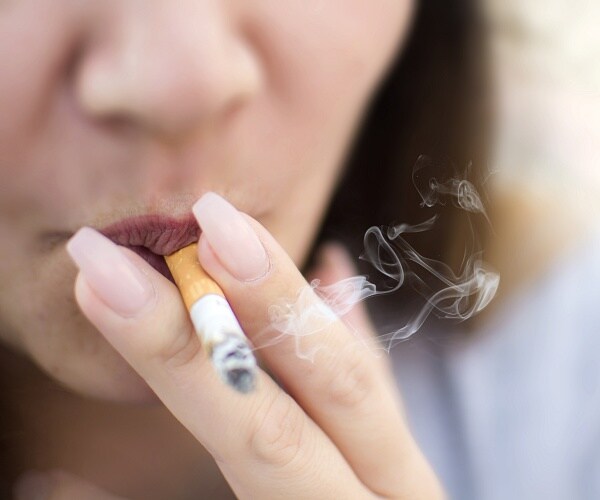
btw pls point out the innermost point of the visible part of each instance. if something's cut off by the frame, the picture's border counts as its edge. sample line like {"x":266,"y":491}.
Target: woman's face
{"x":116,"y":109}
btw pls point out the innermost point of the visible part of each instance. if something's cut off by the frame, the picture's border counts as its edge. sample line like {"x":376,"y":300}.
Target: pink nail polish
{"x":114,"y":278}
{"x":231,"y":237}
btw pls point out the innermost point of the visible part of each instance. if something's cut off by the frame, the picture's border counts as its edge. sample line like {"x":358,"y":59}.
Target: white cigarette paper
{"x":213,"y":320}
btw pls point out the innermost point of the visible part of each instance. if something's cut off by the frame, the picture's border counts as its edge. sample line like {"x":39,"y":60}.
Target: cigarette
{"x":214,"y":321}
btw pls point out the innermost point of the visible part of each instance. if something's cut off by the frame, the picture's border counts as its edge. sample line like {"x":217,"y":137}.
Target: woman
{"x":127,"y":118}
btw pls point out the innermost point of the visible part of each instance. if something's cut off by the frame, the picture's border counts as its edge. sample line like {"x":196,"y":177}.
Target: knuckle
{"x":179,"y":351}
{"x":165,"y":337}
{"x":349,"y":379}
{"x":278,"y":437}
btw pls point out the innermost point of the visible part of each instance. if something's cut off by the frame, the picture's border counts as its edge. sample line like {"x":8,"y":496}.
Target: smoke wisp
{"x":447,"y":294}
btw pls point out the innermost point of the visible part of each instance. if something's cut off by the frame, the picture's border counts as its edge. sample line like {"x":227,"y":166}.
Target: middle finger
{"x":344,"y":389}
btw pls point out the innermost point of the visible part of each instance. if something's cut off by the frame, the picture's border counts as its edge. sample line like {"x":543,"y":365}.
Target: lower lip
{"x":155,"y":260}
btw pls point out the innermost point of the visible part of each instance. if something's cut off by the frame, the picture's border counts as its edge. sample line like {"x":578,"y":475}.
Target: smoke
{"x":459,"y":297}
{"x":446,"y":294}
{"x":435,"y":192}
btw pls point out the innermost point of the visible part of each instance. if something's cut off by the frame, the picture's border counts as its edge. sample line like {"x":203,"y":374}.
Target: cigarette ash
{"x":235,"y":363}
{"x":448,"y":295}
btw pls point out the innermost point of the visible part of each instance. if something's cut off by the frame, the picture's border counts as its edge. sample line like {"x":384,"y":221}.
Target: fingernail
{"x":115,"y":279}
{"x":230,"y":236}
{"x":32,"y":485}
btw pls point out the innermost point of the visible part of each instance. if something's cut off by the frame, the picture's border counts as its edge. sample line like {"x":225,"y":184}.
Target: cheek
{"x":322,"y":61}
{"x":327,"y":56}
{"x":41,"y":160}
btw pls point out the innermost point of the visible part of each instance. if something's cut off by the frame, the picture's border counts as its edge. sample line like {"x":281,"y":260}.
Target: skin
{"x":120,"y":108}
{"x":111,"y":133}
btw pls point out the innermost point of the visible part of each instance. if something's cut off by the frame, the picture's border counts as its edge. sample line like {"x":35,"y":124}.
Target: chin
{"x":124,"y":386}
{"x":102,"y":375}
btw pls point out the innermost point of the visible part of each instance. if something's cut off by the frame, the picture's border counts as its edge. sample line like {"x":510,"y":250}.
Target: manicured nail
{"x":231,"y":237}
{"x":33,"y":485}
{"x":114,"y":278}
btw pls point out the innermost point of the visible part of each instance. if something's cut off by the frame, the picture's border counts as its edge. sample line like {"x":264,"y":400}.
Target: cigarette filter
{"x":213,"y":319}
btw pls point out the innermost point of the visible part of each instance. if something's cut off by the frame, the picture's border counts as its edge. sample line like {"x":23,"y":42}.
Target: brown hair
{"x":433,"y":102}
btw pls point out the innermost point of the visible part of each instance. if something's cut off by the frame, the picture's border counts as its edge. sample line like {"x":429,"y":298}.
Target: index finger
{"x":263,"y":442}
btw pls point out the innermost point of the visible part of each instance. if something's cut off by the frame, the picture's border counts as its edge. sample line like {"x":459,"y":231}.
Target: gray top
{"x":513,"y":411}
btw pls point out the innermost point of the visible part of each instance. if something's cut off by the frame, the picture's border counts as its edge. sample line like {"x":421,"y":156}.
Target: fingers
{"x":58,"y":485}
{"x":264,"y":443}
{"x":341,"y":385}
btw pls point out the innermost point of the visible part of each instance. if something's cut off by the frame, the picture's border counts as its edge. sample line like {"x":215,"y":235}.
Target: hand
{"x":337,"y":431}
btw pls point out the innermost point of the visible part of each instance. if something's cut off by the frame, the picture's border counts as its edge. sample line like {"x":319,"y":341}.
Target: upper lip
{"x":160,"y":234}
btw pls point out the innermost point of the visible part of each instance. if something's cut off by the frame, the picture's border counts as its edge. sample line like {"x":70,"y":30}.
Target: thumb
{"x":57,"y":485}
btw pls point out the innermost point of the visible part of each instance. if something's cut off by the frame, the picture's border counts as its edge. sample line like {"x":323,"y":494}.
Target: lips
{"x":152,"y":236}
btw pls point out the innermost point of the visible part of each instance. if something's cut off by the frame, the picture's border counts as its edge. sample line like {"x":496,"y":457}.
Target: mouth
{"x":153,"y":236}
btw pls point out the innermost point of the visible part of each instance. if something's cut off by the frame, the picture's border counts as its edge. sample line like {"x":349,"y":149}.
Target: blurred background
{"x":513,"y":411}
{"x":546,"y":72}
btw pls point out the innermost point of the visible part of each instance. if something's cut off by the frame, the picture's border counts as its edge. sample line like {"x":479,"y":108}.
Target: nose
{"x":169,"y":67}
